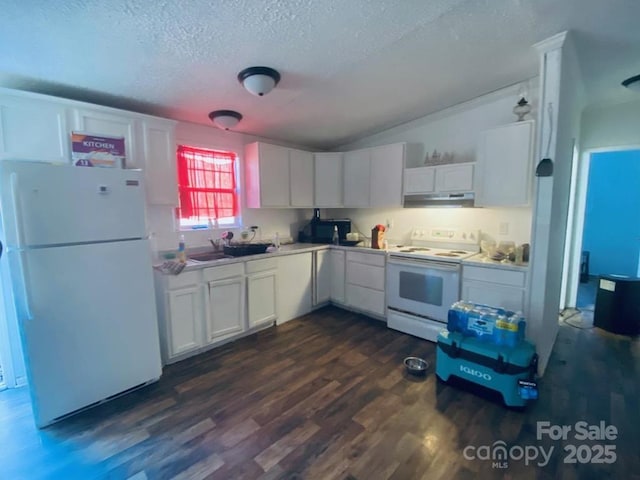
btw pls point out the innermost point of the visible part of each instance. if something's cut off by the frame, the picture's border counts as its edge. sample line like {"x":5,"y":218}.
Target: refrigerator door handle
{"x":22,"y":266}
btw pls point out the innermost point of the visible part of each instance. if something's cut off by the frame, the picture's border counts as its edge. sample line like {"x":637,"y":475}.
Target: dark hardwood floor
{"x":325,"y":396}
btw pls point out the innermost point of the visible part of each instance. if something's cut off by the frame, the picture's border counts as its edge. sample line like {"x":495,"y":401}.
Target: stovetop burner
{"x":414,"y":249}
{"x":459,"y":252}
{"x":448,"y":254}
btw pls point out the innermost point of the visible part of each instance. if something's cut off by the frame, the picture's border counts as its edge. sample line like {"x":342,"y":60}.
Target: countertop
{"x":480,"y":260}
{"x":284,"y":250}
{"x":294,"y":248}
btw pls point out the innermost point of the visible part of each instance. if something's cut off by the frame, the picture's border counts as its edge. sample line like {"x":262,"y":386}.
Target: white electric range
{"x":423,"y":279}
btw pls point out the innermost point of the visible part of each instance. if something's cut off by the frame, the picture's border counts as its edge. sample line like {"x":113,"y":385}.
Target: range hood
{"x":439,"y":200}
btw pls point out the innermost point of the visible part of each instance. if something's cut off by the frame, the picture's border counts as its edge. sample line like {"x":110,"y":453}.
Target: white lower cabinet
{"x":495,"y":287}
{"x":184,"y":313}
{"x":337,"y":268}
{"x":322,"y":277}
{"x":365,"y":287}
{"x":179,"y":305}
{"x":294,"y":291}
{"x":262,"y":281}
{"x":224,"y":302}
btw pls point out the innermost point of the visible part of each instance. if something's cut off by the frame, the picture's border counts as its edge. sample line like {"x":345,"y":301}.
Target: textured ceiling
{"x":349,"y":68}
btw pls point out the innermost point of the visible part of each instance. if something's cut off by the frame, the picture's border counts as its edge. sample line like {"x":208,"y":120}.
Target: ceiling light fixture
{"x":259,"y":80}
{"x":225,"y":119}
{"x":632,"y":83}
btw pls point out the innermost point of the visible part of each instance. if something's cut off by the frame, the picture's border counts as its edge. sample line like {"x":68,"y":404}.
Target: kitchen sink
{"x":208,"y":256}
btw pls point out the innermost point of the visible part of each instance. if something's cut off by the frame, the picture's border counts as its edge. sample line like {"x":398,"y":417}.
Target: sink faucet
{"x":215,"y":244}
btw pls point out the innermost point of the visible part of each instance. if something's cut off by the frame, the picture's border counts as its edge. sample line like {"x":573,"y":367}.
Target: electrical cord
{"x":574,"y":314}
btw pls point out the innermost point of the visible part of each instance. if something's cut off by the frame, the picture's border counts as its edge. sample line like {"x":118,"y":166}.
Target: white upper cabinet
{"x":301,"y":178}
{"x":277,"y":176}
{"x":454,"y":178}
{"x":387,"y":164}
{"x":373,"y":176}
{"x":457,"y":177}
{"x":328,"y":179}
{"x":357,"y":175}
{"x":419,"y":180}
{"x":99,"y":123}
{"x":160,"y":161}
{"x":33,"y":129}
{"x":504,"y":173}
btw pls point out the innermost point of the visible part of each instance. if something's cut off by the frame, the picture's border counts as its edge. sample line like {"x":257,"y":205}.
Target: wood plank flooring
{"x":326,"y":397}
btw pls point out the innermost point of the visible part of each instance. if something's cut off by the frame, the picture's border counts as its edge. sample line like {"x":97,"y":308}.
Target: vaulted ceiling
{"x":349,"y":68}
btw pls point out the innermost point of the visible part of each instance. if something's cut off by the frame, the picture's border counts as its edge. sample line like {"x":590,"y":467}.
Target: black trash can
{"x":618,"y":304}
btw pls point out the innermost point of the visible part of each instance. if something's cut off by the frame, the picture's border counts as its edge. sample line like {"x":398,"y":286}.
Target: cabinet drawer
{"x":185,"y":279}
{"x":366,"y":258}
{"x":495,"y":275}
{"x":365,"y":275}
{"x":223,"y":271}
{"x":508,"y":297}
{"x":365,"y":299}
{"x":254,"y":266}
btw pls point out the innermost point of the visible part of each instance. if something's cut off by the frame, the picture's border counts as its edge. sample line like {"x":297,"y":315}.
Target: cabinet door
{"x":294,"y":286}
{"x":365,"y":299}
{"x":337,"y":258}
{"x":510,"y":298}
{"x":454,"y":178}
{"x":504,"y":165}
{"x":185,"y":320}
{"x":357,"y":178}
{"x":261,"y":298}
{"x":103,"y":123}
{"x":225,"y":308}
{"x":387,"y":165}
{"x":322,"y":277}
{"x":301,"y":178}
{"x":328,"y":179}
{"x":419,"y":180}
{"x":274,"y":175}
{"x":33,"y":130}
{"x":160,"y":162}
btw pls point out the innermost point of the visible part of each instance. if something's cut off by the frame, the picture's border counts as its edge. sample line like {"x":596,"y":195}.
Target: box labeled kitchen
{"x":97,"y":151}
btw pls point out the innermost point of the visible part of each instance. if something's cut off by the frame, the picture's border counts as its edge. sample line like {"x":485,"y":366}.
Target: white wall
{"x":561,"y":86}
{"x":487,"y":220}
{"x":611,"y":125}
{"x":161,"y":220}
{"x":456,"y":130}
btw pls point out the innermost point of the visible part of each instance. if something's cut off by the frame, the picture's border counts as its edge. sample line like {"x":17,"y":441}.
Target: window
{"x":206,"y":187}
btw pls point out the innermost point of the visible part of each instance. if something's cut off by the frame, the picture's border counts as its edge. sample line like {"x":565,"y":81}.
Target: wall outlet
{"x":504,"y":228}
{"x":389,"y":223}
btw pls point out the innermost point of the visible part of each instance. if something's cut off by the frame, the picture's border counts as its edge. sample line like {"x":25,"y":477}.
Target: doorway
{"x":605,"y":227}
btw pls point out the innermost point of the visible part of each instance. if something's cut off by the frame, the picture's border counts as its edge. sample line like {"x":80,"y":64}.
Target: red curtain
{"x":206,"y":183}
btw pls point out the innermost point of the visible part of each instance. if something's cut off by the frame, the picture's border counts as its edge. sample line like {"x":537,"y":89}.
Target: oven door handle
{"x":434,"y":264}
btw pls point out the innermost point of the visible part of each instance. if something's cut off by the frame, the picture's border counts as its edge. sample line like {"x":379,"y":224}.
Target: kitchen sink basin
{"x":208,"y":256}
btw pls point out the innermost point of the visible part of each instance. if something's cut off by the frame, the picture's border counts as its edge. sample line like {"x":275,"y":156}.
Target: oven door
{"x":422,"y":287}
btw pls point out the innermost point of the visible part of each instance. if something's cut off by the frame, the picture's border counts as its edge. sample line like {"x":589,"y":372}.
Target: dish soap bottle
{"x":335,"y":239}
{"x":182,"y":254}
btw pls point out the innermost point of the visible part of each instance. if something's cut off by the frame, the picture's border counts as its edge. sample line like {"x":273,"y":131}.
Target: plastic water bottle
{"x":182,"y":254}
{"x":336,"y":238}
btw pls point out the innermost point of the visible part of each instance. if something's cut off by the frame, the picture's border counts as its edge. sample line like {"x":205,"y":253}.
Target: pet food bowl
{"x":416,"y":366}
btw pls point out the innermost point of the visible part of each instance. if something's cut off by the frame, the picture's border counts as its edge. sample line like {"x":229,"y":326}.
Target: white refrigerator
{"x":81,"y":280}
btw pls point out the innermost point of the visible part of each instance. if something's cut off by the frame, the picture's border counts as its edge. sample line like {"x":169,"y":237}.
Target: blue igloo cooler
{"x":507,"y":370}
